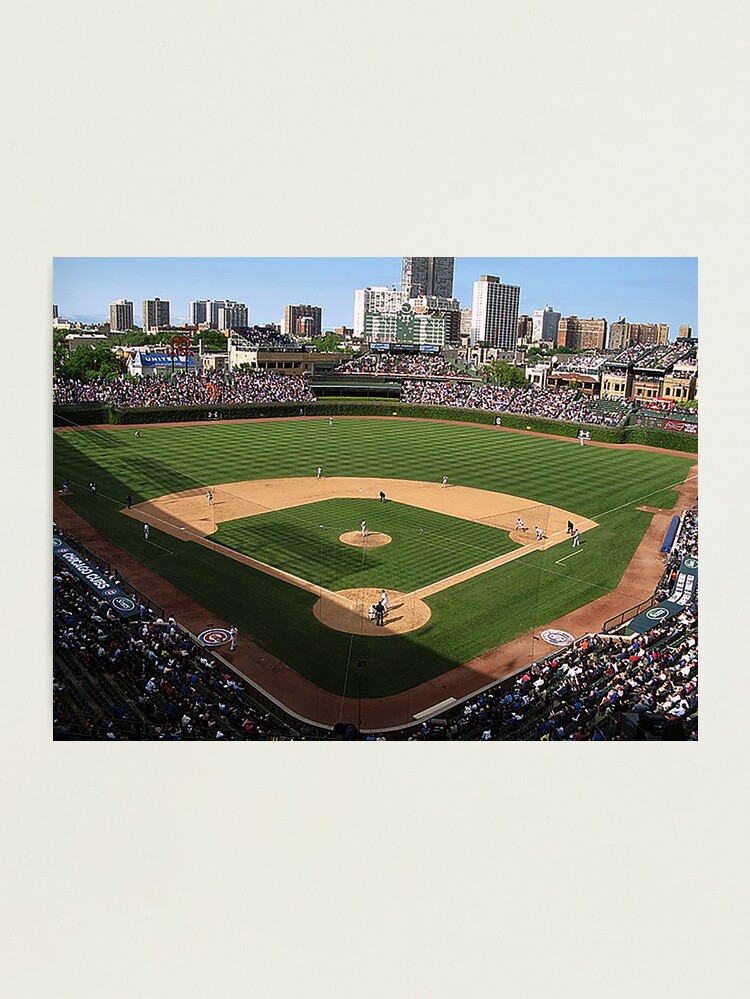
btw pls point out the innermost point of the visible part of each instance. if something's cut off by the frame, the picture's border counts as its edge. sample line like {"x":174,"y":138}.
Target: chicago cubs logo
{"x":214,"y":636}
{"x":123,"y":604}
{"x":657,"y":613}
{"x":691,"y":563}
{"x":554,"y":637}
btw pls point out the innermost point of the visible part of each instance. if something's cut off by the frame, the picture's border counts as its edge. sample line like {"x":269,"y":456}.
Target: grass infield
{"x":601,"y":483}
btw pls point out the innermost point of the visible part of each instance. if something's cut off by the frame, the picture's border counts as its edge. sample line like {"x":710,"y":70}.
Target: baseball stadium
{"x":384,"y":546}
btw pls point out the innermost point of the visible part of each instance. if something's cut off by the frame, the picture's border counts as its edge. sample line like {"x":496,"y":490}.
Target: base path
{"x":189,"y":516}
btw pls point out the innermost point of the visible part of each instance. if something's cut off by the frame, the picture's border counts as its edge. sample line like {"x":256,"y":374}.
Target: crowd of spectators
{"x":264,"y":338}
{"x":580,"y":362}
{"x":563,"y":404}
{"x":142,"y":678}
{"x":664,"y":355}
{"x":631,"y":354}
{"x":186,"y":389}
{"x":604,"y":687}
{"x":411,"y":365}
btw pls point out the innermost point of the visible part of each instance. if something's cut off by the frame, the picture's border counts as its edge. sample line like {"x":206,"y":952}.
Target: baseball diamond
{"x":270,"y":553}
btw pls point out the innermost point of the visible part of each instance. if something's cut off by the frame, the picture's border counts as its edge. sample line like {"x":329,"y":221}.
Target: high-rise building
{"x":525,"y":328}
{"x":372,"y":300}
{"x":427,"y":276}
{"x":581,"y":334}
{"x":231,"y":315}
{"x":155,"y":314}
{"x":623,"y":334}
{"x":494,"y":313}
{"x":686,"y":333}
{"x":234,"y":313}
{"x":465,"y":322}
{"x":197,"y":313}
{"x":294,"y":312}
{"x":545,"y":325}
{"x":120,"y":316}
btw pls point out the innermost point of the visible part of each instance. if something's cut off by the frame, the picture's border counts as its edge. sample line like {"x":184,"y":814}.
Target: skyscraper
{"x":545,"y":325}
{"x":231,"y":315}
{"x":155,"y":314}
{"x":494,"y":312}
{"x":427,"y":276}
{"x":197,"y":313}
{"x":294,"y":312}
{"x":120,"y":316}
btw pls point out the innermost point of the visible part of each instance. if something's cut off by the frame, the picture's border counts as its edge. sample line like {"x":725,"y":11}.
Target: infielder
{"x":364,"y":528}
{"x":445,"y":481}
{"x":576,"y":539}
{"x":209,"y":497}
{"x":320,"y":472}
{"x":539,"y":534}
{"x":520,"y":526}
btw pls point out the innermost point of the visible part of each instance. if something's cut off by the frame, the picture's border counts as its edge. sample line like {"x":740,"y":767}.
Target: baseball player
{"x":520,"y":526}
{"x":320,"y":472}
{"x":233,"y":637}
{"x":66,"y":486}
{"x":581,"y":436}
{"x":445,"y":481}
{"x":146,"y":532}
{"x":129,"y":501}
{"x":372,"y":612}
{"x":364,"y":528}
{"x":576,"y":539}
{"x":137,"y":433}
{"x":384,"y":601}
{"x":539,"y":534}
{"x":330,"y":421}
{"x":382,"y":496}
{"x":209,"y":497}
{"x":570,"y":527}
{"x":92,"y":487}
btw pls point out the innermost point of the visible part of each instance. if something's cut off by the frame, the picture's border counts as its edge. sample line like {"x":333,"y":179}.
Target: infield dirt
{"x":189,"y":516}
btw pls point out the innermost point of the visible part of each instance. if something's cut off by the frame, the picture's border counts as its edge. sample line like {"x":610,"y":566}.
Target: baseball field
{"x":281,"y":553}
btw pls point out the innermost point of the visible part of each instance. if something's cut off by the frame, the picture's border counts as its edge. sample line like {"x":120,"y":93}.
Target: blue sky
{"x":642,"y":289}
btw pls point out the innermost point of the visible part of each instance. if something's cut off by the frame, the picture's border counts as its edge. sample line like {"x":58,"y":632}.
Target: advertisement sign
{"x":105,"y":588}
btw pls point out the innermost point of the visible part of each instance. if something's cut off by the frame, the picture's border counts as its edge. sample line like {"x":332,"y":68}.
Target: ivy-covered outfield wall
{"x":87,"y":415}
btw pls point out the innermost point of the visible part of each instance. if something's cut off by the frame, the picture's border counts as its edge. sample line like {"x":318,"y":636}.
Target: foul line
{"x":567,"y":556}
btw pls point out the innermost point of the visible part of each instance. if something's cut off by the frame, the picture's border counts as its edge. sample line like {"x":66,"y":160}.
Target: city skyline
{"x":640,"y":289}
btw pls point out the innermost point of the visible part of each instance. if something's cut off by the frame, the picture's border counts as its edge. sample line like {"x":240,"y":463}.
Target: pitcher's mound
{"x":374,"y":540}
{"x":347,"y":611}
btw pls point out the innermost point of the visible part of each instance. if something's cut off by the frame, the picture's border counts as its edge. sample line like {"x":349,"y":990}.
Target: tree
{"x":86,"y":363}
{"x":329,"y":342}
{"x":500,"y":372}
{"x":211,"y":339}
{"x":59,"y":350}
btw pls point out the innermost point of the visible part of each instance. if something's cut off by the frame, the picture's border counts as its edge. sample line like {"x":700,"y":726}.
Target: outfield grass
{"x":425,"y":546}
{"x":601,"y":483}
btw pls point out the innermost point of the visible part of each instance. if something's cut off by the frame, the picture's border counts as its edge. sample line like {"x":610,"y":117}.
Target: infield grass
{"x":601,"y":483}
{"x":425,"y":546}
